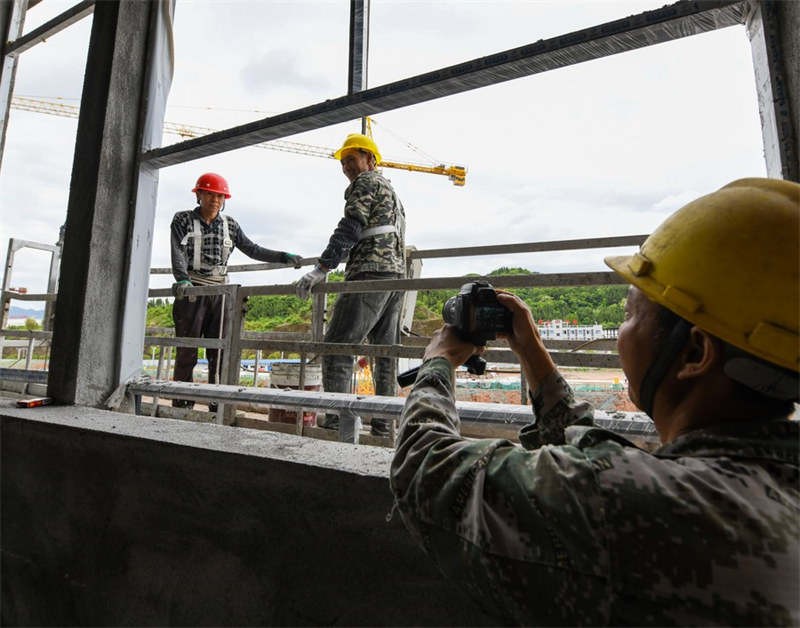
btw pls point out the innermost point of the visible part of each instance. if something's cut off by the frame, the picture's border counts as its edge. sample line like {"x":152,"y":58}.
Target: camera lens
{"x":451,"y":311}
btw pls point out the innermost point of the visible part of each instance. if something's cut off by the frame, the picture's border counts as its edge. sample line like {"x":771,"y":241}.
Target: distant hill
{"x":18,"y":312}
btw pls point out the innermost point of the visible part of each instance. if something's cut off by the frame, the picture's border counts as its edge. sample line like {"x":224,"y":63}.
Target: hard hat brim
{"x":771,"y":343}
{"x":195,"y":190}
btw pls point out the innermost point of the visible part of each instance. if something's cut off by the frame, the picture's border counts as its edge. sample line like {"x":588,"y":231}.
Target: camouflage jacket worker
{"x":581,"y":527}
{"x":214,"y":249}
{"x":371,"y":205}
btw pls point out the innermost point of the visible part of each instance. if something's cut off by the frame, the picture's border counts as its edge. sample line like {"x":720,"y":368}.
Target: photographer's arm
{"x":526,"y":341}
{"x":553,"y":401}
{"x":481,"y":508}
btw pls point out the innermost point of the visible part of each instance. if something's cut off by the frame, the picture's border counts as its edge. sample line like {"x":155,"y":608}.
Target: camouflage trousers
{"x":359,"y":317}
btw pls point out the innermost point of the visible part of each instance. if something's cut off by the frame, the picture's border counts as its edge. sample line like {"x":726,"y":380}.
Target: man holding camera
{"x":581,"y":527}
{"x":371,"y":237}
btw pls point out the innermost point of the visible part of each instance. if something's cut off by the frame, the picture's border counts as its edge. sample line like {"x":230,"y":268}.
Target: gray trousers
{"x":360,"y":316}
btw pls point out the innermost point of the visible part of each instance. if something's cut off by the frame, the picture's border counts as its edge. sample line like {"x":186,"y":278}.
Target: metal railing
{"x":307,"y":346}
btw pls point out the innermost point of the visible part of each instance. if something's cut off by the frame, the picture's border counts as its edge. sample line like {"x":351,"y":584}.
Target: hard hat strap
{"x":666,"y":355}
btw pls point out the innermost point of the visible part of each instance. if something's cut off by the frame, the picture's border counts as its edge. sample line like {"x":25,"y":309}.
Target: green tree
{"x":159,"y":315}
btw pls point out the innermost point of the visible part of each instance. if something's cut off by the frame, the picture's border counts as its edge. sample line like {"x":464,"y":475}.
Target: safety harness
{"x":373,"y":231}
{"x":218,"y":272}
{"x":397,"y":228}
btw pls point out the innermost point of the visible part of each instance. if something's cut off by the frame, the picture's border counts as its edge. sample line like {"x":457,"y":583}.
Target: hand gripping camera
{"x":478,"y":316}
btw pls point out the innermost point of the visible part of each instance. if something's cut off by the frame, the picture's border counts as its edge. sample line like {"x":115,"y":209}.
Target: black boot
{"x":331,"y":422}
{"x":379,"y":427}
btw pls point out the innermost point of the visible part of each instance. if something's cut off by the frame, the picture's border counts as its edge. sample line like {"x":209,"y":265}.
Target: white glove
{"x":308,"y":281}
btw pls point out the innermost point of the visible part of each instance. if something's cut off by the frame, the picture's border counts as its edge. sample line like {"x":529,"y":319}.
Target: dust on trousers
{"x":201,"y":318}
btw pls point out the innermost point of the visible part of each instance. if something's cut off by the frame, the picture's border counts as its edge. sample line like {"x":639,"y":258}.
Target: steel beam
{"x":12,"y":21}
{"x":359,"y":46}
{"x":671,"y":22}
{"x":50,"y":28}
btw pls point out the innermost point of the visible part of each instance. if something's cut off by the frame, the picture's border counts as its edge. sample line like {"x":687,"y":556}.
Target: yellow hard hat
{"x":729,"y":262}
{"x":357,"y":141}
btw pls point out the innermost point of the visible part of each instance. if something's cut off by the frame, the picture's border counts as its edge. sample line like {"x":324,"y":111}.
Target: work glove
{"x":308,"y":281}
{"x":179,"y":288}
{"x":294,"y":260}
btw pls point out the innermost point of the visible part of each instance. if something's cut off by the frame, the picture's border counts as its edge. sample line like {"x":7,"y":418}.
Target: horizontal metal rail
{"x":598,"y":353}
{"x":600,"y":278}
{"x":503,"y":356}
{"x":531,"y":247}
{"x":24,"y":333}
{"x":468,"y":251}
{"x":23,"y":375}
{"x":632,"y":425}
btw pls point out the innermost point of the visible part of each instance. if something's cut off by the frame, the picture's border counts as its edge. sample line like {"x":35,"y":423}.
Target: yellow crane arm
{"x":456,"y":174}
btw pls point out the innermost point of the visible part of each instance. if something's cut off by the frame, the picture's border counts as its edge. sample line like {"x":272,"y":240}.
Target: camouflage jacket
{"x":212,"y":249}
{"x":370,"y":201}
{"x":592,"y":530}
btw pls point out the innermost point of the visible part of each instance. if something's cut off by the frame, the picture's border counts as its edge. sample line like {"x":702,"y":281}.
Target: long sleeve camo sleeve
{"x":588,"y":529}
{"x":482,"y":509}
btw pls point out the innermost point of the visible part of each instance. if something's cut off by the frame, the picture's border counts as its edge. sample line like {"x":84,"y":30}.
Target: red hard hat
{"x":212,"y":182}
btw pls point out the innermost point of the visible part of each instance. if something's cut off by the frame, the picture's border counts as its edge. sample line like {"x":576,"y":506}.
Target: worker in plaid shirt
{"x":202,"y":240}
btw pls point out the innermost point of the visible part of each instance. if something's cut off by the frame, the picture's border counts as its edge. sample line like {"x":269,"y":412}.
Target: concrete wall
{"x":112,"y":519}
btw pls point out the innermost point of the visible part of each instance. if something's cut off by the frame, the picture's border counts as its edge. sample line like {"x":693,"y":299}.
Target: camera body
{"x":477,"y":314}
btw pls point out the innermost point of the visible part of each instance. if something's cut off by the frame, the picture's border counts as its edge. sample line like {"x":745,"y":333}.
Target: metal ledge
{"x":629,"y":425}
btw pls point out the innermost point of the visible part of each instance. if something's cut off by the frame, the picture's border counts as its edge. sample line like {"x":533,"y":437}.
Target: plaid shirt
{"x":211,"y":252}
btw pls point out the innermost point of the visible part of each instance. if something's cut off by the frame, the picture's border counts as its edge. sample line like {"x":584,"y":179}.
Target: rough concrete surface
{"x":250,"y":442}
{"x":119,"y":520}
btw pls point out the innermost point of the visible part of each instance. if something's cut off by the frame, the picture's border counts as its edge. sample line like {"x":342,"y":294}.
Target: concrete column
{"x":772,"y":28}
{"x":102,"y":297}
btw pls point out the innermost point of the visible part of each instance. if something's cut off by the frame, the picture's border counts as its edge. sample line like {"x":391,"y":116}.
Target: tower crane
{"x":456,"y":174}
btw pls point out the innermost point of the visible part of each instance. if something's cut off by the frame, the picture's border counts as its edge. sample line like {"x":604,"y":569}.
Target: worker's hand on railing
{"x":308,"y":281}
{"x":294,"y":260}
{"x":179,"y":288}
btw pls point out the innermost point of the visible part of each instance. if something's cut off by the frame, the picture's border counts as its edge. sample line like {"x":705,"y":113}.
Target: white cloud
{"x":609,"y":147}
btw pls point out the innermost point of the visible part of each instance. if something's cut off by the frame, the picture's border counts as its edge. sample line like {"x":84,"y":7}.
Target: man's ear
{"x":702,"y":353}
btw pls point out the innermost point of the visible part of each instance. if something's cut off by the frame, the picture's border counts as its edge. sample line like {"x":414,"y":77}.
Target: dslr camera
{"x":478,"y":316}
